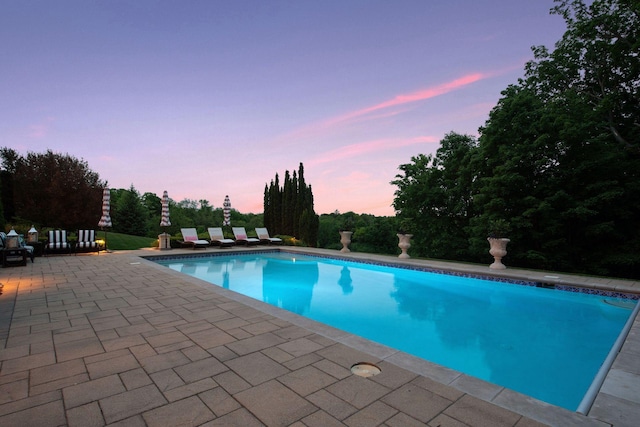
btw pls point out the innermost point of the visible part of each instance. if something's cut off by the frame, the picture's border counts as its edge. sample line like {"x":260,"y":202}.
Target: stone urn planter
{"x":404,"y":243}
{"x":345,"y":239}
{"x":498,"y":250}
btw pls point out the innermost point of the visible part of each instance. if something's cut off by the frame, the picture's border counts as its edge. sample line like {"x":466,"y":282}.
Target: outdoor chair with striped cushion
{"x":57,"y":242}
{"x":87,"y":241}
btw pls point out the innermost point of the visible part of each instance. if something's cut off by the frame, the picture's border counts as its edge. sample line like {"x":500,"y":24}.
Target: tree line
{"x":556,"y":165}
{"x":54,"y":190}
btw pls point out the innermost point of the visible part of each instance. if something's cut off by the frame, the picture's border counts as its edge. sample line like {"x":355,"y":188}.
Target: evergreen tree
{"x":129,"y":215}
{"x":288,"y":210}
{"x":294,"y":212}
{"x":287,"y":199}
{"x":267,"y":215}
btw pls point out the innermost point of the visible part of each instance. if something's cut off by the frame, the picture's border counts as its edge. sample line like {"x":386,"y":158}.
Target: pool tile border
{"x":537,"y":284}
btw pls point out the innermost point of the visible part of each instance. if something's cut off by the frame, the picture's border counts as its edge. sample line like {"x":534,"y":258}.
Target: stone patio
{"x":114,"y":339}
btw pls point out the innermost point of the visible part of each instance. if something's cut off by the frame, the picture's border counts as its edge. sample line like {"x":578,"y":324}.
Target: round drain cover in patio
{"x":365,"y":369}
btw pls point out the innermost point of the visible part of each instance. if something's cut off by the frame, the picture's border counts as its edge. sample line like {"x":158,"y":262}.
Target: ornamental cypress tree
{"x":267,"y":216}
{"x":287,"y":198}
{"x":289,"y":209}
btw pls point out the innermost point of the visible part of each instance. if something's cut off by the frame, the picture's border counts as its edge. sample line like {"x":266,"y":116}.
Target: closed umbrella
{"x":164,"y":221}
{"x":164,"y":240}
{"x":105,"y":220}
{"x":226,"y":210}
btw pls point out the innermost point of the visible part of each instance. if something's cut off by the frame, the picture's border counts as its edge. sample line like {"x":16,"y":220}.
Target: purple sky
{"x":207,"y":98}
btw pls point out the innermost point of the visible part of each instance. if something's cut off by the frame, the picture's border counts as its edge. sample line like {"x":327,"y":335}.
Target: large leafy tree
{"x":518,"y":168}
{"x":434,"y":198}
{"x":598,"y":62}
{"x":559,"y":156}
{"x":561,"y":150}
{"x":53,"y":189}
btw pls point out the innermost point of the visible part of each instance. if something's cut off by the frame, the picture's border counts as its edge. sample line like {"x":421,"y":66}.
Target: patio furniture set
{"x":15,"y":251}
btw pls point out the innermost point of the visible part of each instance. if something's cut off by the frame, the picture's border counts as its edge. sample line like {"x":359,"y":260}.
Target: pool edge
{"x":500,"y":396}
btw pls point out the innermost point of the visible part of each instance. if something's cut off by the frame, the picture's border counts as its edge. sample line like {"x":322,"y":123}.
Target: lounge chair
{"x":190,"y":236}
{"x":57,"y":242}
{"x":241,"y":237}
{"x":87,"y":241}
{"x":217,"y":238}
{"x":263,"y":235}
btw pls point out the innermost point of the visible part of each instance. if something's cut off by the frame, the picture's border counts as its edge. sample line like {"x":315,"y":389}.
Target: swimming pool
{"x":545,"y":343}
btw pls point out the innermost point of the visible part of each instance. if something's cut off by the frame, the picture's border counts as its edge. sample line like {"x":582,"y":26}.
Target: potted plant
{"x":498,"y":229}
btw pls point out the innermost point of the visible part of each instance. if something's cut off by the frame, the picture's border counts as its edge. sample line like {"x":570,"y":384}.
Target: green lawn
{"x":118,"y":241}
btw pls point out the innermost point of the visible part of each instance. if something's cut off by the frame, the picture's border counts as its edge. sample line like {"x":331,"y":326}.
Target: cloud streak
{"x":390,"y":107}
{"x":419,"y":95}
{"x":367,"y":147}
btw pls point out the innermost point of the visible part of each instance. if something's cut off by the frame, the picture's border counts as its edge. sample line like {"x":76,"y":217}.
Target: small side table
{"x":14,"y":257}
{"x":38,"y":248}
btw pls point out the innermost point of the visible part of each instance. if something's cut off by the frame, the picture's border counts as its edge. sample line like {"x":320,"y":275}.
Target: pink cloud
{"x":389,"y":107}
{"x":361,"y":148}
{"x":419,"y":95}
{"x":40,"y":130}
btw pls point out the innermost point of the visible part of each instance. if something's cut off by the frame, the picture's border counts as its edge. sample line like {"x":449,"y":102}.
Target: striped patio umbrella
{"x":105,"y":221}
{"x":164,"y":221}
{"x":226,"y":210}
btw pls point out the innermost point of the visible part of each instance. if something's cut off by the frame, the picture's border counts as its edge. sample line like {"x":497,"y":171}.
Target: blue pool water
{"x":545,"y":343}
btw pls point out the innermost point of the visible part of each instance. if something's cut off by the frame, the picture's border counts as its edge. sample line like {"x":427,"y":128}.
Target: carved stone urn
{"x":345,"y":239}
{"x":498,"y":250}
{"x":404,"y":243}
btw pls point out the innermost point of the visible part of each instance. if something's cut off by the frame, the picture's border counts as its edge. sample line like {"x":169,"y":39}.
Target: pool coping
{"x":500,"y":396}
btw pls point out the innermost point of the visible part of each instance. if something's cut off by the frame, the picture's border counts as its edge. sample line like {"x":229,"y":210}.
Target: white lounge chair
{"x":190,"y":238}
{"x":217,"y":237}
{"x":241,"y":237}
{"x":263,"y":235}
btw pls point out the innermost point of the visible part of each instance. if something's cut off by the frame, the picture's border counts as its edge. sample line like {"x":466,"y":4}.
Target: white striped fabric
{"x":87,"y":239}
{"x":226,"y":210}
{"x":58,"y":239}
{"x":105,"y":221}
{"x":164,"y":221}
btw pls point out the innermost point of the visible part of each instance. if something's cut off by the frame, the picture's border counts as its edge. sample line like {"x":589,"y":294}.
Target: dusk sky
{"x":207,"y":98}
